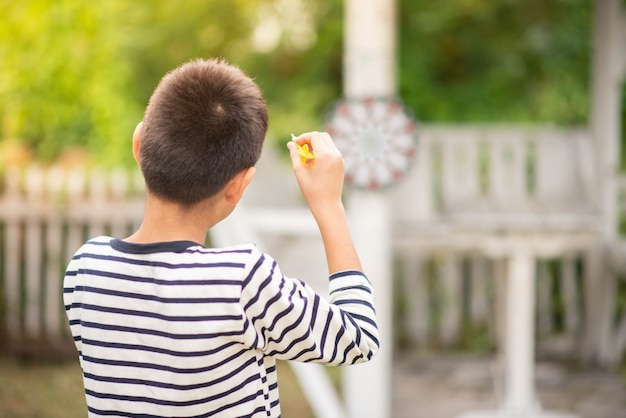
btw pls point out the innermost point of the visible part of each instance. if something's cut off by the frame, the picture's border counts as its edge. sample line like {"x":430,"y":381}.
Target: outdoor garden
{"x":75,"y":78}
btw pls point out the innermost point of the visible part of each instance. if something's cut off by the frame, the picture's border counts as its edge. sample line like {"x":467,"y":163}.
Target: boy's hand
{"x":321,"y":182}
{"x":321,"y":178}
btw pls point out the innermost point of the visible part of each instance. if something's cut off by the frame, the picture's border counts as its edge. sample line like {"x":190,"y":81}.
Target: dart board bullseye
{"x":377,"y":137}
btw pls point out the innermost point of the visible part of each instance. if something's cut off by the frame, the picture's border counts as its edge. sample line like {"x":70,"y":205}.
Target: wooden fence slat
{"x":33,"y":253}
{"x":119,"y":187}
{"x":12,"y":251}
{"x":451,"y":285}
{"x":54,"y":262}
{"x":12,"y":278}
{"x":551,"y":178}
{"x":423,"y":206}
{"x":595,"y":289}
{"x":53,"y":287}
{"x":608,"y":353}
{"x":415,"y":291}
{"x":569,"y":293}
{"x":507,"y":168}
{"x":460,"y":170}
{"x":498,"y":325}
{"x":416,"y":189}
{"x":77,"y":212}
{"x":545,"y":321}
{"x":479,"y":284}
{"x":620,"y":340}
{"x":97,"y":199}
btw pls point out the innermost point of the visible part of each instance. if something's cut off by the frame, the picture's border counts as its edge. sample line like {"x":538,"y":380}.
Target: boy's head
{"x":206,"y":121}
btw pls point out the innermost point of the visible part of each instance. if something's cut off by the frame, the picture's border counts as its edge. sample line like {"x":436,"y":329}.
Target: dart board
{"x":377,"y":138}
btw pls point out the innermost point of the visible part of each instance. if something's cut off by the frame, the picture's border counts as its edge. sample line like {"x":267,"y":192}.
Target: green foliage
{"x":63,"y":84}
{"x":79,"y":74}
{"x":482,"y":60}
{"x":300,"y":81}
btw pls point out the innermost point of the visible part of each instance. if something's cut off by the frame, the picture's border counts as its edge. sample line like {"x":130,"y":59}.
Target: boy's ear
{"x":137,"y":141}
{"x":237,"y":185}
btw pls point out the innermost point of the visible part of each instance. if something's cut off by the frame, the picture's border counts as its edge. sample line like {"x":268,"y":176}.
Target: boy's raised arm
{"x":321,"y":182}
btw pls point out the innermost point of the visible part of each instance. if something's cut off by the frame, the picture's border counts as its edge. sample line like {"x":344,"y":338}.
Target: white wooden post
{"x":367,"y":387}
{"x":608,"y":71}
{"x":369,"y":71}
{"x":607,"y":74}
{"x":519,"y":362}
{"x":369,"y":48}
{"x":519,"y":380}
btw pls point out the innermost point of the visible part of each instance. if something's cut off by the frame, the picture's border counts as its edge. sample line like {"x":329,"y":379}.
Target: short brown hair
{"x":205,"y":122}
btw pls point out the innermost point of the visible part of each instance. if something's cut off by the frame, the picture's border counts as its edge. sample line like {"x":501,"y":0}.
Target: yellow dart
{"x":304,"y":152}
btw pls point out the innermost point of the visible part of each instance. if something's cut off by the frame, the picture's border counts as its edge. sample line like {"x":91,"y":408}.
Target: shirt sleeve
{"x":285,"y":318}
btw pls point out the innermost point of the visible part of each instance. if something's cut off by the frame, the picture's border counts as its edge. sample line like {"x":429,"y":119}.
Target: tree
{"x":63,"y":84}
{"x":78,"y":73}
{"x":482,"y":60}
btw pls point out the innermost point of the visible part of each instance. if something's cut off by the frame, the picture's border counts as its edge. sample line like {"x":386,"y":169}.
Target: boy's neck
{"x":165,"y":222}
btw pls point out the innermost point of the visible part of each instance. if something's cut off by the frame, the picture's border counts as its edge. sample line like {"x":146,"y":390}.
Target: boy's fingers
{"x":299,"y":139}
{"x":293,"y":154}
{"x":318,"y":140}
{"x":324,"y":145}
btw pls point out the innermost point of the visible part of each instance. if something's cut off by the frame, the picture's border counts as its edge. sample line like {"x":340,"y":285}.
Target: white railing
{"x":469,"y":188}
{"x":473,"y":189}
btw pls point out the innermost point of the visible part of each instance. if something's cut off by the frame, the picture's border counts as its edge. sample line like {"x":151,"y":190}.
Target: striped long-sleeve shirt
{"x":179,"y":330}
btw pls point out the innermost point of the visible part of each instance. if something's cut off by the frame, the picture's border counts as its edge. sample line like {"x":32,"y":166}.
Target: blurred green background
{"x":75,"y":75}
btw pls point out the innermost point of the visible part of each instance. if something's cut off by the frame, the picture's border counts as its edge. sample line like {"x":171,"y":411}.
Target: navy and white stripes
{"x":176,"y":329}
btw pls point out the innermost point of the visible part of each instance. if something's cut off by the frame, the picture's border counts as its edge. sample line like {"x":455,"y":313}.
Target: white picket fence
{"x":470,"y":190}
{"x":45,"y":215}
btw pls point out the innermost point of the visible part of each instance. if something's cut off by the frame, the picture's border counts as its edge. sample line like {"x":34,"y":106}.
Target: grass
{"x":54,"y":389}
{"x":31,"y":389}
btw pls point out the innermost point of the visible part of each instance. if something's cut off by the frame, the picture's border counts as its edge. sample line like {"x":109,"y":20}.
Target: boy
{"x":166,"y":327}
